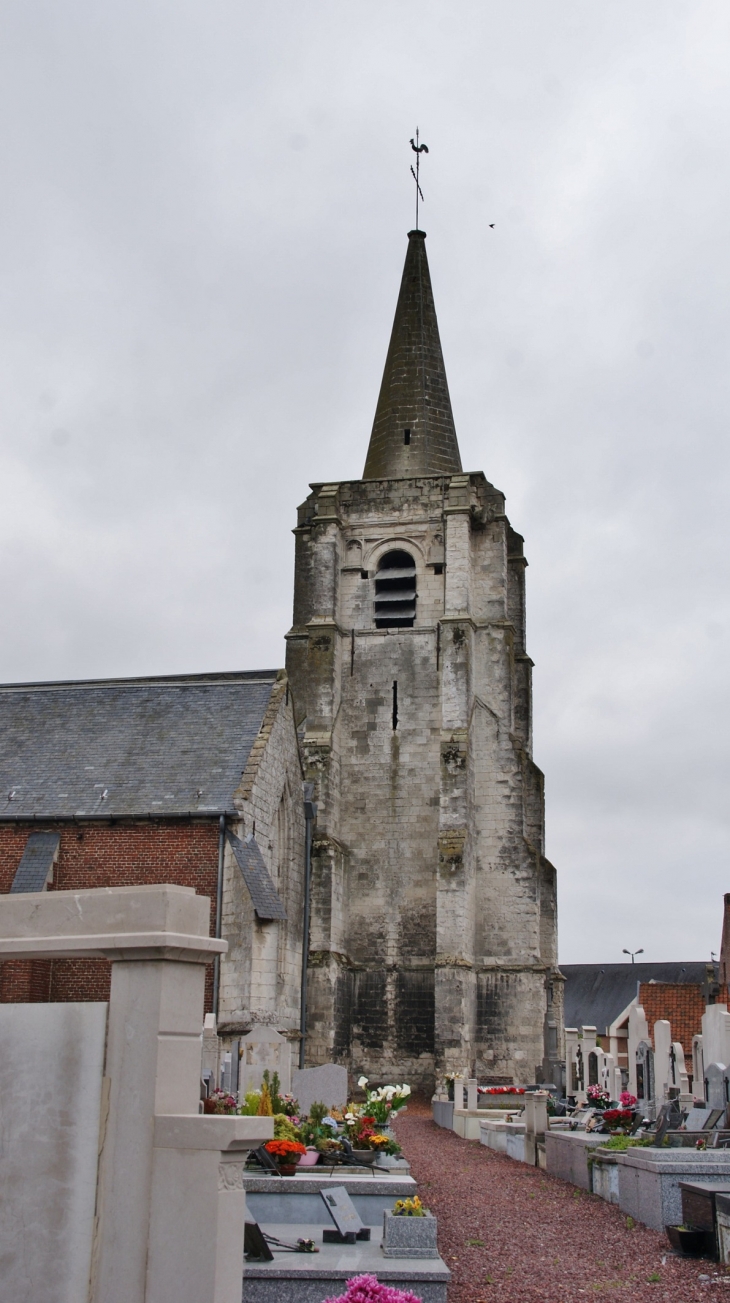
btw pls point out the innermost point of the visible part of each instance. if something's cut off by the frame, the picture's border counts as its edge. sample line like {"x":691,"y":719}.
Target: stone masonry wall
{"x":433,"y":931}
{"x":261,"y":974}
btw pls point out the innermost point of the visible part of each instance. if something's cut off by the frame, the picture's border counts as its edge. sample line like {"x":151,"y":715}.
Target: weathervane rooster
{"x":418,"y":150}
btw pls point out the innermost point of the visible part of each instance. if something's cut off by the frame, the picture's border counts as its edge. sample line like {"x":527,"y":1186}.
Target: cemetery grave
{"x":512,"y":1233}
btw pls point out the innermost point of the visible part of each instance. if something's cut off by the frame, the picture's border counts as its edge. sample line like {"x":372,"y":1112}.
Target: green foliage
{"x":272,"y":1084}
{"x":317,"y":1112}
{"x":284,"y":1128}
{"x":265,"y":1109}
{"x":626,"y":1142}
{"x":250,"y":1106}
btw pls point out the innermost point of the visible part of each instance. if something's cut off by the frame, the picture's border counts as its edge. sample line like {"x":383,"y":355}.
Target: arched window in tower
{"x":395,"y":591}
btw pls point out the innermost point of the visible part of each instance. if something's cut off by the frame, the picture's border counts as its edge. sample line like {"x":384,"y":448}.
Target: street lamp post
{"x":634,"y":952}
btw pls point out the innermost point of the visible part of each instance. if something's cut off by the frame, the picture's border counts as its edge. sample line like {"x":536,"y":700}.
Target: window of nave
{"x":395,"y":591}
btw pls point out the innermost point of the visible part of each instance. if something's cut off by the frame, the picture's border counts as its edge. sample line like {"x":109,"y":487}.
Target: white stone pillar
{"x":156,"y":1153}
{"x":662,"y":1060}
{"x":472,"y":1094}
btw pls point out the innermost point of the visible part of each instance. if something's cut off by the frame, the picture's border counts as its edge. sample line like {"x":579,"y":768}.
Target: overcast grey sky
{"x":202,"y":232}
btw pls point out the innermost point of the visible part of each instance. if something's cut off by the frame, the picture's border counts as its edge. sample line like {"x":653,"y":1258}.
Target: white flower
{"x":362,"y":1083}
{"x":349,"y":1117}
{"x":405,"y":1090}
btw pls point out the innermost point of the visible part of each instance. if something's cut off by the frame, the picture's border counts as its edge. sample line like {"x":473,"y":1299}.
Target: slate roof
{"x":413,"y":432}
{"x":263,"y":893}
{"x":122,"y":747}
{"x":36,"y":862}
{"x":595,"y":994}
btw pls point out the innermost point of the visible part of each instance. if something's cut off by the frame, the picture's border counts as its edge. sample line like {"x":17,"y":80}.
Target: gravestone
{"x":716,"y":1086}
{"x":472,"y":1094}
{"x":264,"y":1048}
{"x":644,"y":1072}
{"x":697,"y":1118}
{"x":325,"y":1085}
{"x":345,"y":1216}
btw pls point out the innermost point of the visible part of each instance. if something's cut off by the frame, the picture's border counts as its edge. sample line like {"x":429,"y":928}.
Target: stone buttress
{"x":433,"y":941}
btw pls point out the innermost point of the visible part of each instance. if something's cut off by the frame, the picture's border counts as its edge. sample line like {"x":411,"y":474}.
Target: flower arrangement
{"x":219,"y":1101}
{"x":598,"y":1097}
{"x":627,"y":1100}
{"x":617,"y":1118}
{"x":385,"y":1100}
{"x":368,"y":1289}
{"x":409,"y":1208}
{"x":361,"y":1132}
{"x":501,"y":1090}
{"x":285,"y":1152}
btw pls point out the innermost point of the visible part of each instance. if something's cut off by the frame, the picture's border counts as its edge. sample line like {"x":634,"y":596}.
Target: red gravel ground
{"x":512,"y":1234}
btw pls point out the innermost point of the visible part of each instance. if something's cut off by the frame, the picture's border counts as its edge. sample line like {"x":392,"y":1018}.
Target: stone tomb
{"x":163,"y":1195}
{"x":649,"y":1181}
{"x":51,"y":1059}
{"x":289,"y":1207}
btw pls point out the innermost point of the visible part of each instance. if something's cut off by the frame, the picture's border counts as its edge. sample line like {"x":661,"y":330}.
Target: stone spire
{"x":413,"y":431}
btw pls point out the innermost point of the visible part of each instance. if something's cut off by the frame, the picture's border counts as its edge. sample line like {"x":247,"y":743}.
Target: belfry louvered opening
{"x":395,"y":591}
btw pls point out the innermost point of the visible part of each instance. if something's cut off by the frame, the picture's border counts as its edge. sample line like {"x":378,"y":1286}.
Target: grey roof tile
{"x":36,"y":862}
{"x":123,"y":747}
{"x":265,"y":897}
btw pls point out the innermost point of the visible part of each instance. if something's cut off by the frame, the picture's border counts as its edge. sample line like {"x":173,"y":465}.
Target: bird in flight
{"x":492,"y":225}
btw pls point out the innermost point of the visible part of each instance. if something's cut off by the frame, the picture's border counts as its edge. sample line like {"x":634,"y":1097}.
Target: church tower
{"x":433,"y":942}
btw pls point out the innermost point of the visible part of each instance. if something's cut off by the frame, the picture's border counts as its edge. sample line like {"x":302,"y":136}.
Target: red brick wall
{"x":97,"y":855}
{"x":683,"y":1003}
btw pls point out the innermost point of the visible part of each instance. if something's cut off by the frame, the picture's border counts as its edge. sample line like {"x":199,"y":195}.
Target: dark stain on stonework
{"x":453,"y":756}
{"x":414,"y":1012}
{"x":370,"y":1009}
{"x":459,"y":636}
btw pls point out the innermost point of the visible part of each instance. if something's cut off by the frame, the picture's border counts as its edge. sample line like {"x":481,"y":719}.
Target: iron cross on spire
{"x":418,"y":150}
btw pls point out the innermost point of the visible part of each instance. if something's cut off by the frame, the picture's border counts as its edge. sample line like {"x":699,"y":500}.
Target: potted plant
{"x":409,"y":1230}
{"x":691,"y":1242}
{"x":382,"y":1103}
{"x":286,"y":1154}
{"x":598,"y":1097}
{"x":618,"y":1120}
{"x":366,"y":1140}
{"x":219,"y":1101}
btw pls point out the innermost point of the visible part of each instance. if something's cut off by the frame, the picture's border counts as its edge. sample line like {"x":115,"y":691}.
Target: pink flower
{"x":367,"y":1289}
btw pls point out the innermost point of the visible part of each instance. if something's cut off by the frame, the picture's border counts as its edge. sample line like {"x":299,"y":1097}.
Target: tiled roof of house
{"x":682,"y":1004}
{"x":123,"y":747}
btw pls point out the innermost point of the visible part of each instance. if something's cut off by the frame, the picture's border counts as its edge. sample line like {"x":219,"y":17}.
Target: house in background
{"x":191,"y":779}
{"x":617,"y":1005}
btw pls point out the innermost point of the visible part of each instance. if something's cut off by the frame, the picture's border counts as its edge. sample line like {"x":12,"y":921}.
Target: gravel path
{"x":512,"y":1234}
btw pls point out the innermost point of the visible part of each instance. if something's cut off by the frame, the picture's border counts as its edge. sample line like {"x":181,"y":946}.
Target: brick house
{"x":189,"y":779}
